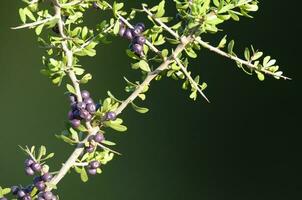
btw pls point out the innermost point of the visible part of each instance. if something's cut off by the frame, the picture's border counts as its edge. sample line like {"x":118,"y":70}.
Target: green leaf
{"x":222,"y":43}
{"x":84,"y":176}
{"x":139,"y":109}
{"x":116,"y":27}
{"x":86,"y":78}
{"x":71,"y":89}
{"x":231,"y":46}
{"x":160,"y":9}
{"x":39,"y":29}
{"x":260,"y":76}
{"x":22,"y":15}
{"x":143,"y":65}
{"x":109,"y":143}
{"x":247,"y":54}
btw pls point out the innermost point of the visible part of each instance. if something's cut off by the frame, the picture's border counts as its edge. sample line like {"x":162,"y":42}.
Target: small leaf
{"x":71,"y":89}
{"x":84,"y":176}
{"x":139,"y":109}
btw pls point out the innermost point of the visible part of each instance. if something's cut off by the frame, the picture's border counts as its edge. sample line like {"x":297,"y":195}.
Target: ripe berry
{"x":92,"y":171}
{"x":72,"y":98}
{"x":90,"y":149}
{"x":48,"y":195}
{"x":138,"y":49}
{"x":36,"y":167}
{"x":26,"y":197}
{"x":85,"y":94}
{"x":140,"y":26}
{"x":88,"y":101}
{"x":122,"y":31}
{"x":128,"y":34}
{"x":46,"y":177}
{"x":40,"y":185}
{"x":84,"y":114}
{"x":29,"y":171}
{"x":81,"y":105}
{"x":111,"y":116}
{"x":3,"y":198}
{"x":21,"y":194}
{"x":70,"y":115}
{"x":40,"y":198}
{"x":76,"y":114}
{"x":94,"y":165}
{"x":75,"y":123}
{"x":88,"y":118}
{"x":136,"y":32}
{"x":28,"y":162}
{"x":15,"y":190}
{"x":91,"y":107}
{"x":139,"y":40}
{"x":99,"y":137}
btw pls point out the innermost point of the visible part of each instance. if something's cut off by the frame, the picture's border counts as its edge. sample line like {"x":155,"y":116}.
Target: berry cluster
{"x":93,"y":140}
{"x":136,"y":37}
{"x":39,"y":182}
{"x":32,"y":167}
{"x":92,"y":167}
{"x":81,"y":110}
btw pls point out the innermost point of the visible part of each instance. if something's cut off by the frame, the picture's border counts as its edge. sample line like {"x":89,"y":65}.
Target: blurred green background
{"x":245,"y":145}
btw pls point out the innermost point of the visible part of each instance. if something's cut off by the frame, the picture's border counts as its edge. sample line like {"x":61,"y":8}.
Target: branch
{"x":153,"y":74}
{"x":187,"y":74}
{"x":30,"y":25}
{"x":214,"y":49}
{"x":69,"y":56}
{"x":239,"y":60}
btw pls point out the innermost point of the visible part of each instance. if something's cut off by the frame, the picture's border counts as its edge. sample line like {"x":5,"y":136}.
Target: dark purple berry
{"x":94,"y":165}
{"x":48,"y":195}
{"x":75,"y":123}
{"x":81,"y":105}
{"x":76,"y":114}
{"x":139,"y":40}
{"x":28,"y":162}
{"x":15,"y":190}
{"x":37,"y":179}
{"x":41,"y":198}
{"x":70,"y":115}
{"x":88,"y":101}
{"x":136,"y":32}
{"x":84,"y":114}
{"x":85,"y":94}
{"x":29,"y":171}
{"x":138,"y":49}
{"x":72,"y":98}
{"x":128,"y":34}
{"x":46,"y":177}
{"x":36,"y":167}
{"x":122,"y":31}
{"x":91,"y":107}
{"x":99,"y":137}
{"x":92,"y":171}
{"x":26,"y":197}
{"x":88,"y":118}
{"x":21,"y":194}
{"x":40,"y":185}
{"x":90,"y":149}
{"x":140,"y":26}
{"x":111,"y":116}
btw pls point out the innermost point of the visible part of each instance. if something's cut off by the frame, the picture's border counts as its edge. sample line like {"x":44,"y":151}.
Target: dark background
{"x":245,"y":145}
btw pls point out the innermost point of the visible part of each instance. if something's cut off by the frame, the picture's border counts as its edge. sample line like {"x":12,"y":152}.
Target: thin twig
{"x":239,"y":60}
{"x":37,"y":23}
{"x":214,"y":49}
{"x":193,"y":83}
